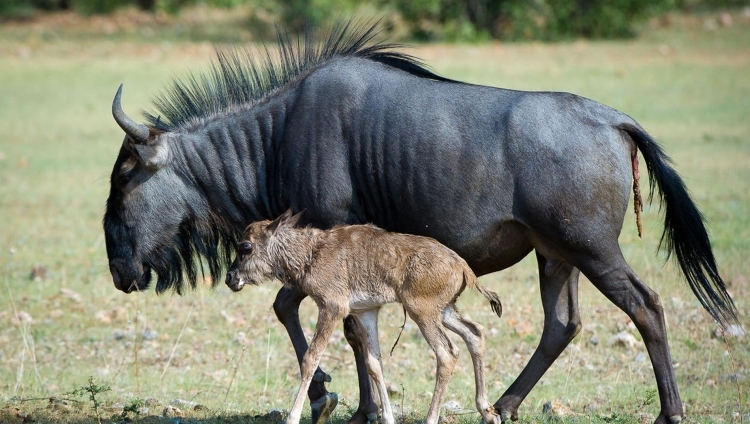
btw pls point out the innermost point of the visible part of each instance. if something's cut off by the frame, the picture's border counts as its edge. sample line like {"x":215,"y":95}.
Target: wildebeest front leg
{"x":559,"y":290}
{"x":286,"y":307}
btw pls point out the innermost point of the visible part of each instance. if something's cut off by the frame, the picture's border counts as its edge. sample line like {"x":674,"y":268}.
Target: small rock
{"x":394,"y":391}
{"x":71,"y":295}
{"x":184,"y":404}
{"x":557,"y":409}
{"x":153,"y":402}
{"x":22,"y":317}
{"x":594,"y":340}
{"x":645,"y":418}
{"x":725,"y":19}
{"x":733,"y":377}
{"x":38,"y":273}
{"x":732,"y":331}
{"x":171,"y":411}
{"x":118,"y":334}
{"x":623,"y":338}
{"x":452,"y":406}
{"x":59,"y":405}
{"x":150,"y":334}
{"x":640,"y":357}
{"x":739,"y":280}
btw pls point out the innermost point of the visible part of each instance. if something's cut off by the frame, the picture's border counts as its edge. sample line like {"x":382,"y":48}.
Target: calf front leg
{"x":327,"y":320}
{"x":286,"y":307}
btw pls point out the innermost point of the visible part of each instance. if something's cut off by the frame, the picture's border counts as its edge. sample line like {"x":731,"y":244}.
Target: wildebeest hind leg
{"x":617,"y":281}
{"x":286,"y":307}
{"x":559,"y":290}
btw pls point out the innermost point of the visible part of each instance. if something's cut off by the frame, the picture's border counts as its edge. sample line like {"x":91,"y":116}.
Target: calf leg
{"x":446,"y":354}
{"x":367,"y":411}
{"x":327,"y":320}
{"x":559,"y":290}
{"x":286,"y":307}
{"x":373,"y":362}
{"x":473,"y":335}
{"x":618,"y":283}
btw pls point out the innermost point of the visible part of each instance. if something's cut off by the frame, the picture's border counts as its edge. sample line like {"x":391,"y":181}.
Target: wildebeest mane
{"x":238,"y":77}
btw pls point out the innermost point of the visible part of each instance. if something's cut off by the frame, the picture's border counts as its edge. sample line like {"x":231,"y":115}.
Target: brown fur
{"x":357,"y":269}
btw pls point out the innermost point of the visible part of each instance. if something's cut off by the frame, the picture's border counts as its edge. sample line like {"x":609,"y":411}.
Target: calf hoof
{"x":322,"y":407}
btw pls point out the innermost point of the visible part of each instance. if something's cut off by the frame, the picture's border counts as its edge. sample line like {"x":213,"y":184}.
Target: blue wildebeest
{"x":353,"y":131}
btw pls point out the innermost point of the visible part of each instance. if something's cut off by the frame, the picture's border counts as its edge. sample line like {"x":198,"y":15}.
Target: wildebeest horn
{"x":138,"y":132}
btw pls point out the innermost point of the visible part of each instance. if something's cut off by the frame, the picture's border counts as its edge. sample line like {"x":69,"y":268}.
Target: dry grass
{"x":227,"y":352}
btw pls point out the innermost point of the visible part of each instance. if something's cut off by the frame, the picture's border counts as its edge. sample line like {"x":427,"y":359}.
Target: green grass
{"x":687,"y":86}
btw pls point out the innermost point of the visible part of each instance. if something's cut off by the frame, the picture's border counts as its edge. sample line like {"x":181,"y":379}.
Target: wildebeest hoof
{"x":322,"y":407}
{"x":321,"y":377}
{"x":675,"y":419}
{"x":506,"y":416}
{"x":372,"y":417}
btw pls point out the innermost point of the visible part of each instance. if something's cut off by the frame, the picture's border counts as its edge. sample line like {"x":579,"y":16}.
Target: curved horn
{"x":138,"y":132}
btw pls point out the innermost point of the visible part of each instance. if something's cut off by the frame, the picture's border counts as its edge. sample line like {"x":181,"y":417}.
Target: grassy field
{"x":65,"y":325}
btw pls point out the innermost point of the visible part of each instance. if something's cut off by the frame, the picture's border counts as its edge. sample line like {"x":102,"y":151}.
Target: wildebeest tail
{"x":471,"y":280}
{"x":685,"y":233}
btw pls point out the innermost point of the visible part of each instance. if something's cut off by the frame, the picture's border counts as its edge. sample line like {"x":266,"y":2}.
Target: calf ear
{"x":274,"y":225}
{"x":292,"y":221}
{"x":154,"y":154}
{"x":285,"y":220}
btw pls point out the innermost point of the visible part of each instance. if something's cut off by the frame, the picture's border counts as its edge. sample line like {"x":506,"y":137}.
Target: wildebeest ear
{"x":153,"y":154}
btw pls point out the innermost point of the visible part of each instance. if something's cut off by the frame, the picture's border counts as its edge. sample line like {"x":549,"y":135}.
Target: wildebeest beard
{"x":193,"y":248}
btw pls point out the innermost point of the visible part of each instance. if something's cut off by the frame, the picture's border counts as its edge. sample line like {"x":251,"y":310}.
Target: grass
{"x":70,"y":329}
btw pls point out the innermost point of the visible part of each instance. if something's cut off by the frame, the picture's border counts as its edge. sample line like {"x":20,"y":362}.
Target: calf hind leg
{"x":369,"y":323}
{"x":473,"y":335}
{"x":367,"y":411}
{"x":446,"y":354}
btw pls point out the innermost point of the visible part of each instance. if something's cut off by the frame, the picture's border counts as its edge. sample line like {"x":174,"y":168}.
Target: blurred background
{"x":423,"y":20}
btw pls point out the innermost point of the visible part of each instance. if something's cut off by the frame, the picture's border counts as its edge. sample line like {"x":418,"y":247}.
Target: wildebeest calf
{"x":355,"y":270}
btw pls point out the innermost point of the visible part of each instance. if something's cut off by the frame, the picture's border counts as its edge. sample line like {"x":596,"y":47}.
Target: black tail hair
{"x":685,"y":233}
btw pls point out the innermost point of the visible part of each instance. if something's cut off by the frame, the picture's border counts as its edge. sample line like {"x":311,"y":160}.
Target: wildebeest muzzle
{"x":128,"y":276}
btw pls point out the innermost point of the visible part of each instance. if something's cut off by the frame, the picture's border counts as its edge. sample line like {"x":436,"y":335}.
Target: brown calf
{"x":355,"y":270}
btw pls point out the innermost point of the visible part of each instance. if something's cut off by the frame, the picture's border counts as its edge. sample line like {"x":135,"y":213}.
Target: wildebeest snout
{"x":129,"y":276}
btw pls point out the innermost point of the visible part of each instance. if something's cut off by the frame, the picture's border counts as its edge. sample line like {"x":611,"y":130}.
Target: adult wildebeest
{"x":354,"y":132}
{"x":355,"y":270}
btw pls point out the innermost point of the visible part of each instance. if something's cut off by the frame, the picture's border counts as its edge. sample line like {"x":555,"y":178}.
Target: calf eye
{"x":246,"y":247}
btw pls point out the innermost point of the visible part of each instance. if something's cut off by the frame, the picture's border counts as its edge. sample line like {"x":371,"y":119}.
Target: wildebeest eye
{"x":126,"y":172}
{"x":246,"y":247}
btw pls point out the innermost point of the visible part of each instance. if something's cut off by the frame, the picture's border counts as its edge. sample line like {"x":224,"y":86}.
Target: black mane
{"x":236,"y":78}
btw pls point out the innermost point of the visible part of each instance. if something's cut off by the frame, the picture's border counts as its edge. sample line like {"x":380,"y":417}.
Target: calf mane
{"x":238,"y":78}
